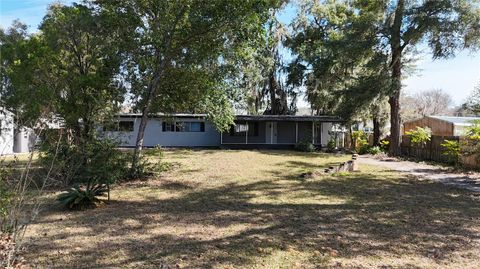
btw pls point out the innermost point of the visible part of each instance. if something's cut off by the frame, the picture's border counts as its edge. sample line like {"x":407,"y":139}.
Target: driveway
{"x":470,"y":181}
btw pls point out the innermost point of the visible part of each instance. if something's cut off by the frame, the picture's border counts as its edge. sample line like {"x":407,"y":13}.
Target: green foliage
{"x":350,"y":53}
{"x":384,"y":145}
{"x":95,"y":160}
{"x":473,"y":131}
{"x":363,"y":148}
{"x":80,"y":198}
{"x":473,"y":139}
{"x":5,"y":198}
{"x":374,"y":150}
{"x":420,"y":136}
{"x":69,"y":70}
{"x":451,"y":149}
{"x":360,"y":141}
{"x":305,"y":146}
{"x":148,"y":167}
{"x":473,"y":104}
{"x":331,"y":145}
{"x":346,"y":71}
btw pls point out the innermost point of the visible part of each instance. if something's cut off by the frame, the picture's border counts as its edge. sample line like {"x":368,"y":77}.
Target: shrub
{"x":385,"y":145}
{"x":331,"y":145}
{"x":5,"y":201}
{"x":374,"y":150}
{"x":95,"y":160}
{"x":451,"y":149}
{"x":363,"y":148}
{"x":147,"y":168}
{"x":473,"y":139}
{"x":305,"y":146}
{"x":360,"y":141}
{"x":420,"y":136}
{"x":78,"y":198}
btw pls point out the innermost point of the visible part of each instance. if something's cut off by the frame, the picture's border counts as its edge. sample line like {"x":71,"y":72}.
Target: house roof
{"x":459,"y":121}
{"x":247,"y":117}
{"x":287,"y":118}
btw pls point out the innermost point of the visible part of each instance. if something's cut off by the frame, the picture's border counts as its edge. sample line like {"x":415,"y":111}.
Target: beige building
{"x":441,"y":125}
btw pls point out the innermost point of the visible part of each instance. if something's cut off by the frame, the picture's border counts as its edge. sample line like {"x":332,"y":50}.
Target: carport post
{"x":313,"y":132}
{"x":296,"y":132}
{"x":246,"y":133}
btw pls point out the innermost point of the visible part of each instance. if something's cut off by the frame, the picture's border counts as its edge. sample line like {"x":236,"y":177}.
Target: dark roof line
{"x":245,"y":117}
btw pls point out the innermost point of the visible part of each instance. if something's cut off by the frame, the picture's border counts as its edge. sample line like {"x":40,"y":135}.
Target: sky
{"x":457,"y":76}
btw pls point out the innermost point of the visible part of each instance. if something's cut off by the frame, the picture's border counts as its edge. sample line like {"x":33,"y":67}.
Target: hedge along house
{"x":194,"y":130}
{"x":441,"y":125}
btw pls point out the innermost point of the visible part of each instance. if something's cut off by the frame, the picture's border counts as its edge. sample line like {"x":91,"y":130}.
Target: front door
{"x":271,"y":132}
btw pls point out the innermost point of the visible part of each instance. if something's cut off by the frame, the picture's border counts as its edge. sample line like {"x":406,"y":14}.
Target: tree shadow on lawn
{"x":356,"y":215}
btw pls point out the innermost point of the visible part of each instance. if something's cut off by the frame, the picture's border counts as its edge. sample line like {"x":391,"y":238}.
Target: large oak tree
{"x":178,"y":52}
{"x":396,"y":27}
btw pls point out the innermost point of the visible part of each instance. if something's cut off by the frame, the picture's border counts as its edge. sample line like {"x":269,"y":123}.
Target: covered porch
{"x":285,"y":131}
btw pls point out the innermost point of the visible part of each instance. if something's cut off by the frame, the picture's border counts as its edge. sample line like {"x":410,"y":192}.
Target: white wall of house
{"x":326,"y":126}
{"x":154,"y":135}
{"x":24,"y":140}
{"x":6,"y":132}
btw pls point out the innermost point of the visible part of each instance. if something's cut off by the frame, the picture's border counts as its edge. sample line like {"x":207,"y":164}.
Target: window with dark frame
{"x":125,"y":126}
{"x":119,"y":126}
{"x":183,"y":126}
{"x":240,"y":129}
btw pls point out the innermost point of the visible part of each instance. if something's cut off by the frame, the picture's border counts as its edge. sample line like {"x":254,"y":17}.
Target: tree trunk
{"x":376,"y":131}
{"x":152,"y":90}
{"x":272,"y":86}
{"x":396,"y":66}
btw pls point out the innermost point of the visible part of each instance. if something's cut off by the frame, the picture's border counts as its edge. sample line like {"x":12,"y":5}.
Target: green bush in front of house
{"x":305,"y":146}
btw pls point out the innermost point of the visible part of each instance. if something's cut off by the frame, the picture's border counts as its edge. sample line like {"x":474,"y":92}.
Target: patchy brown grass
{"x":251,"y":209}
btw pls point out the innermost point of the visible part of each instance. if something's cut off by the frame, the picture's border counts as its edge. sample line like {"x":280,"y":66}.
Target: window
{"x":119,"y":126}
{"x":168,"y":127}
{"x":240,"y":129}
{"x":183,"y":126}
{"x":197,"y":127}
{"x":125,"y":126}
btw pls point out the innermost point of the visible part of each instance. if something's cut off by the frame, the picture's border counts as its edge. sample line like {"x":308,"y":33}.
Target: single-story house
{"x":249,"y":131}
{"x":6,"y":132}
{"x":441,"y":125}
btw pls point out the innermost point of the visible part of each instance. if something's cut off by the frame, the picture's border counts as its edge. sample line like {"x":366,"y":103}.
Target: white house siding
{"x":24,"y":140}
{"x":6,"y":132}
{"x":155,"y":136}
{"x":326,"y":127}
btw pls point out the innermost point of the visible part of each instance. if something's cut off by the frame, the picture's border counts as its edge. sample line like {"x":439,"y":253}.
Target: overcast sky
{"x":457,"y":76}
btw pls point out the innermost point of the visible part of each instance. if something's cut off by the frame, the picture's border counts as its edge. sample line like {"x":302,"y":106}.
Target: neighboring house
{"x":193,"y":130}
{"x":21,"y":139}
{"x":441,"y":125}
{"x":6,"y":132}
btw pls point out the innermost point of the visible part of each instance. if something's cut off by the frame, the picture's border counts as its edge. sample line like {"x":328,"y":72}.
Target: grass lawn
{"x":251,"y":209}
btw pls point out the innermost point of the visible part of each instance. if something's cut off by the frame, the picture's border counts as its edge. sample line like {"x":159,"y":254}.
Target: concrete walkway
{"x":469,"y":181}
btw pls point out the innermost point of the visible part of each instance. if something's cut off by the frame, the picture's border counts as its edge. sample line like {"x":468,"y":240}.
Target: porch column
{"x":246,"y":133}
{"x":221,"y":138}
{"x":313,"y":132}
{"x":321,"y":133}
{"x":296,"y":132}
{"x":271,"y":132}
